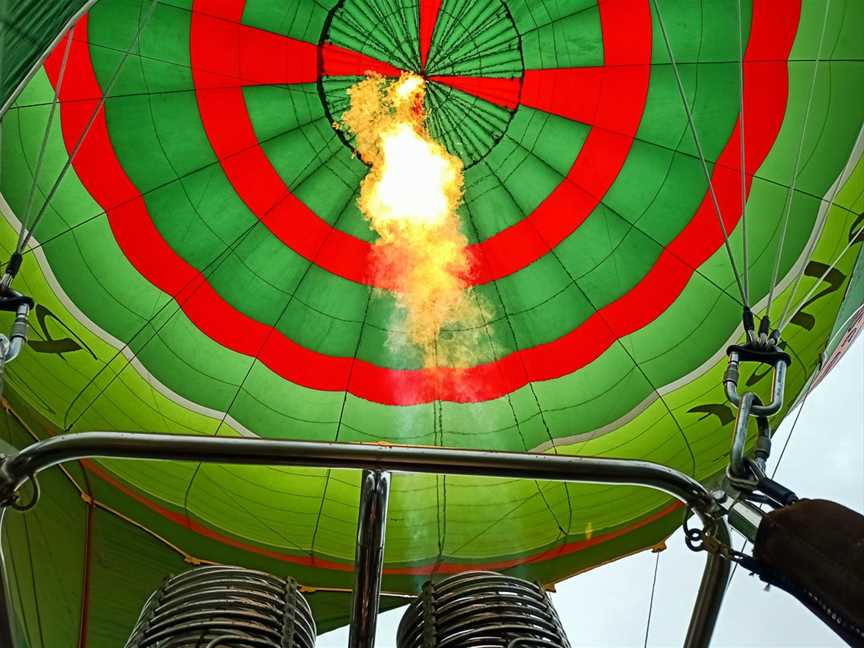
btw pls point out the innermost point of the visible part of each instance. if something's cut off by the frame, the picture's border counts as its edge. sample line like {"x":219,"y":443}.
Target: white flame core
{"x":414,"y":187}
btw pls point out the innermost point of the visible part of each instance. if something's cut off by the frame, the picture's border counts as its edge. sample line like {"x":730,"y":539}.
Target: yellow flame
{"x":417,"y":180}
{"x":410,"y":197}
{"x":409,"y":85}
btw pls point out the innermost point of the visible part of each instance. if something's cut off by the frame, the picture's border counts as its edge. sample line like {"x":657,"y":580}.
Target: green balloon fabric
{"x":200,"y":266}
{"x":27,"y":29}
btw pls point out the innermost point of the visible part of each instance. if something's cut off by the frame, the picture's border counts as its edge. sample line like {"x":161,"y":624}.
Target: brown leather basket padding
{"x":819,"y":546}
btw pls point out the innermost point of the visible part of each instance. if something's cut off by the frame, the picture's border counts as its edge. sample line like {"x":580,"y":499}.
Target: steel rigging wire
{"x":24,"y":237}
{"x":790,"y":192}
{"x":698,"y":143}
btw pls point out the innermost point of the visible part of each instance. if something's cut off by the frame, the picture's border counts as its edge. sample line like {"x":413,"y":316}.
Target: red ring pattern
{"x":223,"y":49}
{"x":766,"y":83}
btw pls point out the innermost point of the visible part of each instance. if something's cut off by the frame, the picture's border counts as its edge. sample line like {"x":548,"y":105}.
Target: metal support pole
{"x":15,"y":470}
{"x":710,"y":596}
{"x":369,"y":558}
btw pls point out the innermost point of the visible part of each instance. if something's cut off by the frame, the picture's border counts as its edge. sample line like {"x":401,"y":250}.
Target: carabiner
{"x":738,"y":468}
{"x":777,"y":359}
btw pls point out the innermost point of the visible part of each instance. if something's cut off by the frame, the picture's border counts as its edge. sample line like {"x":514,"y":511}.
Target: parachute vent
{"x":482,"y":608}
{"x":219,"y":606}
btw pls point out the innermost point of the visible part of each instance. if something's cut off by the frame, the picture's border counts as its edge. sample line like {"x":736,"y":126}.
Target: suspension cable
{"x":735,"y":564}
{"x":651,"y":601}
{"x":745,"y":254}
{"x":40,"y":157}
{"x":787,"y":314}
{"x":699,"y":150}
{"x":105,"y":93}
{"x":794,"y":424}
{"x":811,"y":245}
{"x":796,"y":166}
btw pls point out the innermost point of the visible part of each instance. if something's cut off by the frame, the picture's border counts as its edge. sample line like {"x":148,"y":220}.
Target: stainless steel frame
{"x":15,"y":470}
{"x":369,"y":557}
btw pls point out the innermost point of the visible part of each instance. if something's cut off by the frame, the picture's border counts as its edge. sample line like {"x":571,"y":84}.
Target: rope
{"x":107,"y":91}
{"x":796,"y":166}
{"x":745,"y":254}
{"x":651,"y":601}
{"x":699,"y":150}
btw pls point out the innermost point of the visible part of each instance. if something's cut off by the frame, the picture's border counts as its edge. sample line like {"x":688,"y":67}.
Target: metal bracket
{"x":12,"y":345}
{"x":780,"y":362}
{"x":763,"y":348}
{"x":743,"y":474}
{"x":737,"y":466}
{"x":743,"y":516}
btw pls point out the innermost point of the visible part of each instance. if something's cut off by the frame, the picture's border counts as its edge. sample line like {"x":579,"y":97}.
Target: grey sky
{"x":608,"y":607}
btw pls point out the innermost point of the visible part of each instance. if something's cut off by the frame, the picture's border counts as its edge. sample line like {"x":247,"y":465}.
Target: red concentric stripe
{"x":222,"y":49}
{"x":621,"y":96}
{"x":231,"y":55}
{"x":772,"y":32}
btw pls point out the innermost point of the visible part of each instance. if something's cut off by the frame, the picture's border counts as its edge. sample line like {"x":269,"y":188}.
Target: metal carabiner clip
{"x":777,"y":359}
{"x":738,"y":468}
{"x":12,"y":345}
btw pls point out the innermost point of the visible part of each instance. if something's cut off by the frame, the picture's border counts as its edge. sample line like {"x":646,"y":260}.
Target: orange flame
{"x":410,"y":197}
